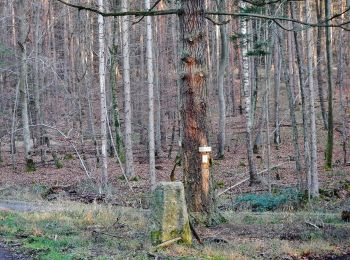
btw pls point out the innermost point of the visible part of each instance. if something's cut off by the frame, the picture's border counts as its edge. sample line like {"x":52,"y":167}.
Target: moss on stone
{"x":169,"y":218}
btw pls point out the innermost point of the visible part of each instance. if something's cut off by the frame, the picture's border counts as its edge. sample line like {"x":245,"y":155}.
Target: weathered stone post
{"x":169,"y":218}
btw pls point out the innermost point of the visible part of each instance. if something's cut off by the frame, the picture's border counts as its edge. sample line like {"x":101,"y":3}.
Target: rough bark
{"x":197,"y":179}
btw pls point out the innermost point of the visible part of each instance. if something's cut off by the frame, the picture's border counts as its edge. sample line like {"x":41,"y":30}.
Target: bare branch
{"x":143,"y":16}
{"x":115,"y":14}
{"x":215,"y":22}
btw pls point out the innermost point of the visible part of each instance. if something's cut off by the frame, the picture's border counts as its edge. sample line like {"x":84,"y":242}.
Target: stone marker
{"x":169,"y":218}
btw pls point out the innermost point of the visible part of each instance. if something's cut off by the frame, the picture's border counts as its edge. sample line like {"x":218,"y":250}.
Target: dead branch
{"x":247,"y":179}
{"x":167,"y":243}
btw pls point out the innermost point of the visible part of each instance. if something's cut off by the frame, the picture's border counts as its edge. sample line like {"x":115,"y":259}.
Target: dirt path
{"x":6,"y":254}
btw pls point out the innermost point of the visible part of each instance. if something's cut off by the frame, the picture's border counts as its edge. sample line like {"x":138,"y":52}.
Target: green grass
{"x":79,"y":231}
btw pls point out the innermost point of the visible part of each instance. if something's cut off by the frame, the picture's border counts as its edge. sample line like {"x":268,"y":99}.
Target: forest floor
{"x":79,"y":223}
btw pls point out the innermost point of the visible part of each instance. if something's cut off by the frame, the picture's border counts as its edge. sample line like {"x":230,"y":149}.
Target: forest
{"x":174,"y":129}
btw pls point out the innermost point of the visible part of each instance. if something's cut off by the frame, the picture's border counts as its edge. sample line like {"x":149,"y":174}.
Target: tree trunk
{"x":102,"y":77}
{"x":313,"y":178}
{"x":291,"y":103}
{"x":329,"y":148}
{"x":22,"y":42}
{"x":319,"y":66}
{"x":221,"y":77}
{"x":340,"y":81}
{"x":129,"y":161}
{"x":150,"y":76}
{"x":247,"y":95}
{"x":197,"y":178}
{"x":277,"y":85}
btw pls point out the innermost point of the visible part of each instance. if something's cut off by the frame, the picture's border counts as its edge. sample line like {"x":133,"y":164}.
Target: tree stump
{"x":169,"y":218}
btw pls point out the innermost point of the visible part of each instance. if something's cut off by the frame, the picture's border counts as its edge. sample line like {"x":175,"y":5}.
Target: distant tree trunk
{"x":129,"y":161}
{"x":22,"y":42}
{"x":277,"y":85}
{"x":313,"y":178}
{"x":247,"y":94}
{"x":329,"y":148}
{"x":221,"y":77}
{"x":102,"y":77}
{"x":319,"y":66}
{"x":158,"y":143}
{"x":196,"y":174}
{"x":298,"y":50}
{"x":150,"y":76}
{"x":340,"y":82}
{"x":291,"y":103}
{"x":113,"y":89}
{"x":38,"y":117}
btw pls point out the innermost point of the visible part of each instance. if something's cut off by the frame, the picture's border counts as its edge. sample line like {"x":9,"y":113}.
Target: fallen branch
{"x":247,"y":179}
{"x":312,"y":224}
{"x":167,"y":243}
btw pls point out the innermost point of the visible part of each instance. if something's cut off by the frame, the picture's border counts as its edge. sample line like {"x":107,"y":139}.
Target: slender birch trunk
{"x":150,"y":76}
{"x":102,"y":78}
{"x":247,"y":94}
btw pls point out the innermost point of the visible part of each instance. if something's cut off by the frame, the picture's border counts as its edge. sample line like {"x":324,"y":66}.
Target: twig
{"x":143,"y":16}
{"x":69,"y":141}
{"x":167,"y":243}
{"x":118,"y":158}
{"x":312,"y":224}
{"x":215,"y":22}
{"x":247,"y":179}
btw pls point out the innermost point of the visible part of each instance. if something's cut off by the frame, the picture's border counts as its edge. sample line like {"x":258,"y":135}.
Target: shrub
{"x":268,"y":201}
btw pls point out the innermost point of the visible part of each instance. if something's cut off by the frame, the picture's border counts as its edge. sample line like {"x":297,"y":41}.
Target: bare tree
{"x":129,"y":161}
{"x":22,"y":42}
{"x":221,"y":76}
{"x":102,"y":78}
{"x":313,"y":175}
{"x":247,"y":94}
{"x":150,"y":74}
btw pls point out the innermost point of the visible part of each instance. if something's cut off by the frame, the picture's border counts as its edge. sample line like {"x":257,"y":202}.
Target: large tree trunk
{"x":150,"y":74}
{"x":197,"y":178}
{"x":129,"y":161}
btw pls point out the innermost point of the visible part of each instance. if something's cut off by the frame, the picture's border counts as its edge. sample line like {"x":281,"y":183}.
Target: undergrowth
{"x":269,"y":201}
